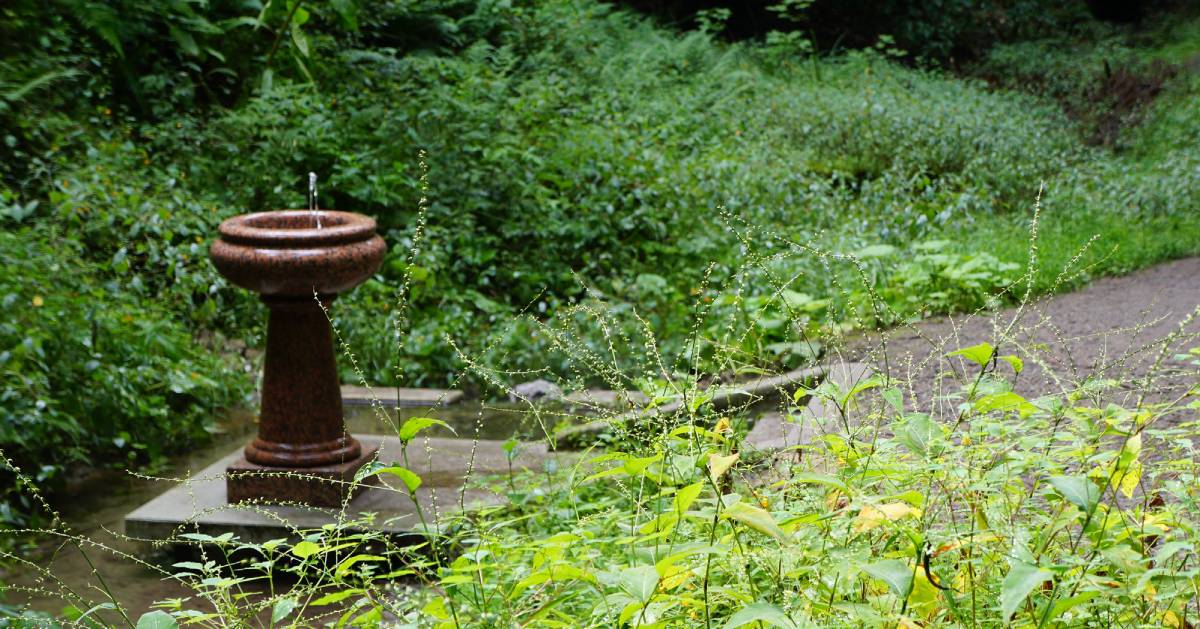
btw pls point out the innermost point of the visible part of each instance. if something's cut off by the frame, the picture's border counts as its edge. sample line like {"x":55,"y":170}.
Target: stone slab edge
{"x":774,"y":433}
{"x":200,"y":505}
{"x":749,"y":392}
{"x":353,"y":395}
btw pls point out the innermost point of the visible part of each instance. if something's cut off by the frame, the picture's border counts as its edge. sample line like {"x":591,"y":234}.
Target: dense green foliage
{"x":591,"y":177}
{"x":91,"y":372}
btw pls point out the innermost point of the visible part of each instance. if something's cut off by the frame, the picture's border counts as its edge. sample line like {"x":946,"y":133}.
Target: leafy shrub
{"x":92,"y":374}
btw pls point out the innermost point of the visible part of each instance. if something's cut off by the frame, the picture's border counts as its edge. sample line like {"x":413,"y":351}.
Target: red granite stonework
{"x":298,"y":269}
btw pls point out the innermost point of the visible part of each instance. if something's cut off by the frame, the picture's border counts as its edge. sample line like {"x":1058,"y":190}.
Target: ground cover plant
{"x":955,"y":491}
{"x":796,"y":196}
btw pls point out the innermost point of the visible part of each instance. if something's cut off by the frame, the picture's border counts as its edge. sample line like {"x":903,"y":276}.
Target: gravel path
{"x":1115,"y":328}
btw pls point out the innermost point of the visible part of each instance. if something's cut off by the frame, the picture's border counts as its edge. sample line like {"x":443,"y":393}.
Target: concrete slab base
{"x":198,"y":504}
{"x":324,"y":486}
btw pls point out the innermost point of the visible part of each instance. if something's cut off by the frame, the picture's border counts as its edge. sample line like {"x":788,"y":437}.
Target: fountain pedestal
{"x":302,"y":453}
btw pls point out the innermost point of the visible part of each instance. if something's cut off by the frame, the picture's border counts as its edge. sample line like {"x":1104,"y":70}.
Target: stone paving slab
{"x":391,"y":397}
{"x":596,"y":400}
{"x":738,"y":394}
{"x":199,"y":505}
{"x":773,"y":431}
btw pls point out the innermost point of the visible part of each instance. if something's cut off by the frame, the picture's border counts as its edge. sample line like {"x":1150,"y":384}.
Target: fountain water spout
{"x":313,"y":206}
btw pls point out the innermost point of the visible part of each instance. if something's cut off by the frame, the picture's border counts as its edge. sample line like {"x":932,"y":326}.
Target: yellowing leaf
{"x":718,"y":465}
{"x":675,"y":576}
{"x":1128,"y":479}
{"x":870,"y":516}
{"x":757,"y":519}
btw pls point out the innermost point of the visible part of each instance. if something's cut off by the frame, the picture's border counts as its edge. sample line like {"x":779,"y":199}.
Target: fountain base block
{"x":320,"y":486}
{"x":200,"y":504}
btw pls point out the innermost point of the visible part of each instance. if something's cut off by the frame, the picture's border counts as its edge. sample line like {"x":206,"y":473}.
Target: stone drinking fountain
{"x":298,"y":261}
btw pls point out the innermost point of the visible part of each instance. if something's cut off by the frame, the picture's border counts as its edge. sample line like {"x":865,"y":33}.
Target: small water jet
{"x":298,"y":261}
{"x":313,"y":206}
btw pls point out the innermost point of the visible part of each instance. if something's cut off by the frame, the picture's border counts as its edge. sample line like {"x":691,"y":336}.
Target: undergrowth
{"x":586,"y":162}
{"x":976,"y":483}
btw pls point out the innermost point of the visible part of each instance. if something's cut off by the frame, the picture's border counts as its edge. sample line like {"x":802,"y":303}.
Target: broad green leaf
{"x":305,"y":549}
{"x":859,"y":387}
{"x":414,"y":425}
{"x":757,"y":519}
{"x":335,"y":597}
{"x":820,"y":479}
{"x":665,"y":564}
{"x":184,"y":39}
{"x":1007,"y":401}
{"x":685,"y":432}
{"x":628,"y":612}
{"x":876,"y":251}
{"x":979,"y":354}
{"x":635,"y":466}
{"x":763,"y":612}
{"x":663,"y":522}
{"x":639,"y":582}
{"x":917,"y":431}
{"x":268,"y":79}
{"x":348,"y":11}
{"x":157,"y":619}
{"x":1022,"y":578}
{"x":895,"y":398}
{"x":1078,"y":490}
{"x":685,"y":496}
{"x":407,"y":476}
{"x":555,"y":572}
{"x":299,"y":38}
{"x":283,"y":608}
{"x":436,"y":608}
{"x":1018,"y":365}
{"x":697,"y":400}
{"x":1061,"y":607}
{"x":346,"y":565}
{"x":897,"y":574}
{"x":300,"y":16}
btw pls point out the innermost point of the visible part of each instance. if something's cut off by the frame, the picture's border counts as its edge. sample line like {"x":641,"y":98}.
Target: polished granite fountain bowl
{"x":298,"y":261}
{"x":285,"y":253}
